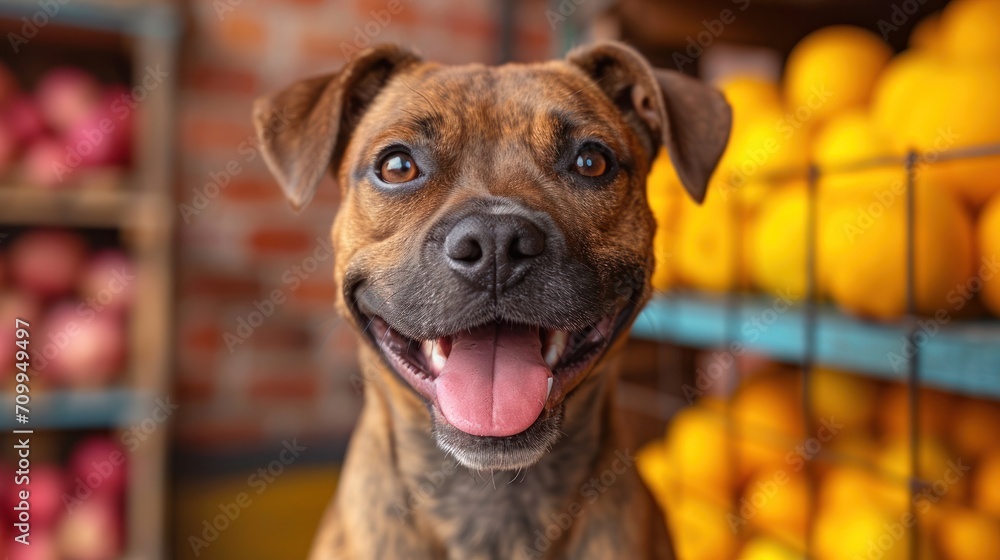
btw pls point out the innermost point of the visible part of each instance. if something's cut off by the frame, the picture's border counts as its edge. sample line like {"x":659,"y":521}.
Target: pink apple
{"x":67,"y":96}
{"x":47,"y":263}
{"x":90,"y":346}
{"x":98,"y":465}
{"x":109,"y":281}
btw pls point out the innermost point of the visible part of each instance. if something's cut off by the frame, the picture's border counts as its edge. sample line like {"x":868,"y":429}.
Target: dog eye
{"x":590,"y":163}
{"x":398,"y":167}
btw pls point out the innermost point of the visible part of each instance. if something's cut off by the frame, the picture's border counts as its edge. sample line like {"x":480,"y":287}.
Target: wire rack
{"x":734,"y":304}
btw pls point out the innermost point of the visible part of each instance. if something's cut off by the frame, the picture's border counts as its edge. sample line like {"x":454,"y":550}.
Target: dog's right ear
{"x":304,"y":128}
{"x":691,"y":119}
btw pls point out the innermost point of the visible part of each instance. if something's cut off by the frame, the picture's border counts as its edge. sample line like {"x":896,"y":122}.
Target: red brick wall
{"x":291,"y":376}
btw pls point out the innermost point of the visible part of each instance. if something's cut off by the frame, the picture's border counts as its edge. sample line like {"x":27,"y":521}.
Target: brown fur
{"x":494,"y":134}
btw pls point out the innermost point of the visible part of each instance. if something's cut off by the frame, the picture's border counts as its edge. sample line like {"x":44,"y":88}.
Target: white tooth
{"x":549,"y":390}
{"x":438,"y":359}
{"x":556,"y":346}
{"x":427,"y":347}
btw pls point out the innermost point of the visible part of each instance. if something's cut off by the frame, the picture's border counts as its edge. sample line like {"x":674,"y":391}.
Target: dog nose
{"x":493,"y":249}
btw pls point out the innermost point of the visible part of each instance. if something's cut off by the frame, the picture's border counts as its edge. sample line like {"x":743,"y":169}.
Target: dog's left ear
{"x":304,"y":128}
{"x":668,"y":108}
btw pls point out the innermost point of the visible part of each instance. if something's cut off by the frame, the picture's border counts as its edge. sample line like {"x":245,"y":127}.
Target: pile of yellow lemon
{"x":845,"y":98}
{"x":733,"y":480}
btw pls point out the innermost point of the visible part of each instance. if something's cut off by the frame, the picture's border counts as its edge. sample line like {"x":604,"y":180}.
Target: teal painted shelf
{"x":60,"y":410}
{"x":961,"y":357}
{"x":131,"y":17}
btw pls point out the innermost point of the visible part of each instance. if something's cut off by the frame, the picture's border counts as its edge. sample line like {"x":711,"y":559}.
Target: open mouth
{"x":499,"y":378}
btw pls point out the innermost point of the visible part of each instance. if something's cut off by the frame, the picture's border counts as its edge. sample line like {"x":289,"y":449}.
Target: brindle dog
{"x":493,"y":247}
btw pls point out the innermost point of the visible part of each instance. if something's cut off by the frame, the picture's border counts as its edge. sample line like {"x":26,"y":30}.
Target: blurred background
{"x":817,"y":376}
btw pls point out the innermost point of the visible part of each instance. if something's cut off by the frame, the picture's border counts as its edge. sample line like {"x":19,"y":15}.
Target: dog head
{"x":493,"y":239}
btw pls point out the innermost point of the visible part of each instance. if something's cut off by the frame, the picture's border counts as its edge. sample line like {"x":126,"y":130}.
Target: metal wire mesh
{"x":810,"y":306}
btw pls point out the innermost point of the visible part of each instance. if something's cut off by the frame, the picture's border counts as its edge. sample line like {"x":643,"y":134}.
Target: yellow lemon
{"x":666,"y":199}
{"x":960,"y":112}
{"x":746,"y":93}
{"x":699,"y":451}
{"x":871,"y":280}
{"x":748,"y":96}
{"x":767,"y":413}
{"x":834,"y":69}
{"x":766,"y":142}
{"x":864,"y":531}
{"x":849,"y":137}
{"x":988,"y":237}
{"x":967,"y":535}
{"x":711,"y":244}
{"x":845,"y":486}
{"x":856,"y":446}
{"x":975,"y":427}
{"x":778,"y":240}
{"x":701,"y":531}
{"x":656,"y":470}
{"x":898,"y":101}
{"x":927,"y":33}
{"x":778,"y":243}
{"x":935,"y":410}
{"x":846,"y":140}
{"x":969,"y":32}
{"x":844,"y":399}
{"x":986,"y":484}
{"x":836,"y":230}
{"x":777,"y":501}
{"x":762,"y":548}
{"x":943,"y":469}
{"x":771,"y":403}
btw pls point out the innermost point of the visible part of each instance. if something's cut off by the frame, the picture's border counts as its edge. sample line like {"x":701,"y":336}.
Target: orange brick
{"x":194,"y":283}
{"x":303,"y":3}
{"x":325,"y":46}
{"x":296,"y":387}
{"x":406,"y":13}
{"x":318,"y":290}
{"x":532,"y":44}
{"x":466,"y":26}
{"x":254,"y":190}
{"x":211,"y":434}
{"x":273,"y":336}
{"x":194,"y":389}
{"x":218,"y":78}
{"x":202,"y":337}
{"x":243,"y":30}
{"x":272,"y":240}
{"x":207,"y":133}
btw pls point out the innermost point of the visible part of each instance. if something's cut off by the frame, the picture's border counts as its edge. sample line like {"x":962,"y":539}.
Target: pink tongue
{"x":495,"y":381}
